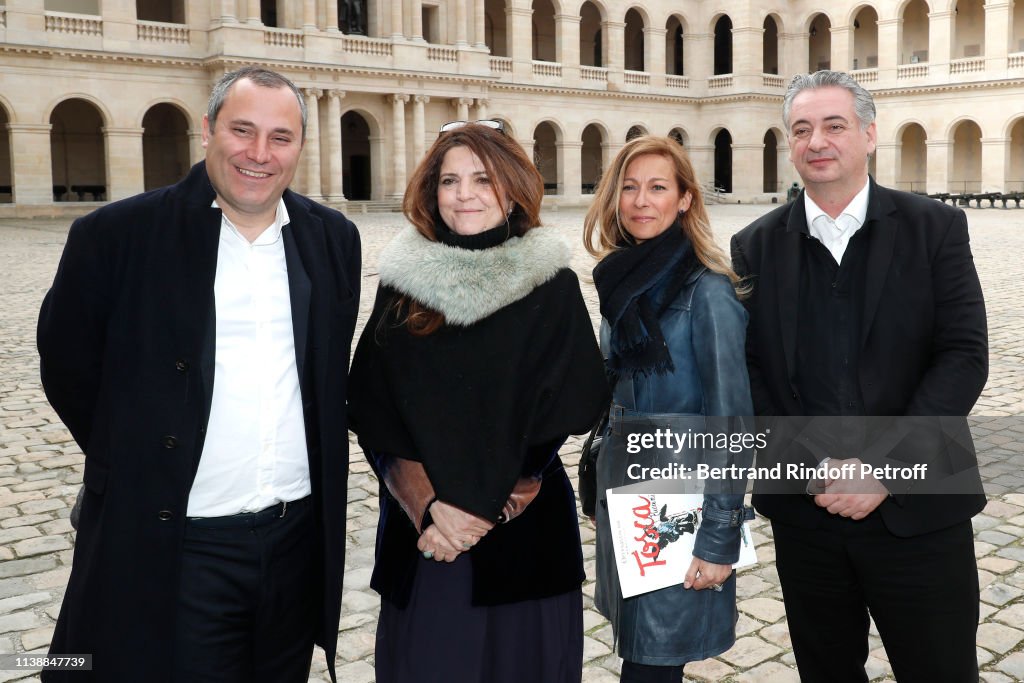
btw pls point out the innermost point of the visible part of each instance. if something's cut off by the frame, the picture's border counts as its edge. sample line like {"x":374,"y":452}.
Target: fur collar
{"x":469,"y":285}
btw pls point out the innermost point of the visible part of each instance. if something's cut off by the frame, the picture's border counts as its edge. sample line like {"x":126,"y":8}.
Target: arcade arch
{"x":819,"y":44}
{"x":912,"y":170}
{"x":914,"y":33}
{"x":723,"y":160}
{"x":6,"y":179}
{"x":545,"y":155}
{"x":591,"y":157}
{"x":356,"y":157}
{"x":634,"y":41}
{"x":165,"y":148}
{"x":965,"y":168}
{"x":770,"y":46}
{"x":723,"y":45}
{"x":495,"y":28}
{"x":865,"y":39}
{"x":968,"y":29}
{"x":674,"y":47}
{"x":544,"y":42}
{"x":77,"y":151}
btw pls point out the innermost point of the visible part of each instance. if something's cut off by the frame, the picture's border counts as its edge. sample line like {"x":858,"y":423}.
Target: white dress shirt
{"x":255,"y":451}
{"x":836,"y":234}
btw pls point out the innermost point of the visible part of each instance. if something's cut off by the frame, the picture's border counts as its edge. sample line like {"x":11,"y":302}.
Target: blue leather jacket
{"x":705,"y":328}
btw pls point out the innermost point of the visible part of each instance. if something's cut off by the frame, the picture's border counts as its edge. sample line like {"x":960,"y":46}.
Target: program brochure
{"x":653,"y":536}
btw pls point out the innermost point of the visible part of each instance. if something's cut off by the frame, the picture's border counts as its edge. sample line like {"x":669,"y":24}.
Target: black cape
{"x":469,"y":402}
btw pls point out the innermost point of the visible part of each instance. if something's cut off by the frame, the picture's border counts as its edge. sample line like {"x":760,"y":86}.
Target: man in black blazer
{"x":865,"y":302}
{"x":196,"y":343}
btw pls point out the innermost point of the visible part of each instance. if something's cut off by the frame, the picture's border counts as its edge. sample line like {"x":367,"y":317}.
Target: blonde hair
{"x":603,"y":222}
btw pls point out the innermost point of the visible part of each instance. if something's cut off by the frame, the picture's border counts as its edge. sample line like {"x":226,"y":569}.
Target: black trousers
{"x":249,"y":603}
{"x":921,"y":591}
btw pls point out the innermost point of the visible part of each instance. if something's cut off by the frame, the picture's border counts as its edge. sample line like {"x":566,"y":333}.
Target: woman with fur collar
{"x":673,"y":336}
{"x":477,"y":362}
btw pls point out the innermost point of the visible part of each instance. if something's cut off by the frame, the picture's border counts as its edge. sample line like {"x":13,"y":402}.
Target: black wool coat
{"x":924,"y":339}
{"x":126,"y":342}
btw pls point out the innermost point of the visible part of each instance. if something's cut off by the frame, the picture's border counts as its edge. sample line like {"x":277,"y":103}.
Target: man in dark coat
{"x":196,"y":342}
{"x":866,"y":303}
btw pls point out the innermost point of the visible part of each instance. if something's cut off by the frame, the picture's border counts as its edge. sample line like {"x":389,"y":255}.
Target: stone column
{"x":519,"y":28}
{"x":842,"y":48}
{"x":31,"y":165}
{"x":608,"y":152}
{"x":416,"y":14}
{"x":479,"y":25}
{"x":196,"y":152}
{"x":252,"y":12}
{"x":994,"y":160}
{"x":998,"y":19}
{"x":940,"y":33}
{"x":747,"y":54}
{"x":481,"y":108}
{"x":461,"y":23}
{"x":654,"y":50}
{"x":938,"y":164}
{"x":397,"y":30}
{"x":703,"y":159}
{"x":747,"y":169}
{"x":398,"y":144}
{"x":309,"y":15}
{"x":419,"y":132}
{"x":227,"y":12}
{"x":888,"y":48}
{"x":615,"y":52}
{"x":124,"y":161}
{"x":462,"y":110}
{"x":886,"y":156}
{"x":571,"y":165}
{"x":332,"y":15}
{"x":312,"y":146}
{"x":335,"y":186}
{"x":567,"y":27}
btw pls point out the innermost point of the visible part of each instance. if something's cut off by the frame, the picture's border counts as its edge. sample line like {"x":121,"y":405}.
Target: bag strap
{"x":599,"y":428}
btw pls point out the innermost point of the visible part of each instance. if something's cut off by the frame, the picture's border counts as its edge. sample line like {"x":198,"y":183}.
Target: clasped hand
{"x":453,"y":532}
{"x":856,"y":496}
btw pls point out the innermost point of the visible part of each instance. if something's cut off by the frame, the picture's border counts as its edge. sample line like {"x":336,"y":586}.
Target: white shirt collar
{"x":269,"y":236}
{"x":857,"y":209}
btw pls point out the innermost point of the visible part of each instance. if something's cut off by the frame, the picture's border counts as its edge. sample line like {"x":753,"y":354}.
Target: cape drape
{"x":470,"y":400}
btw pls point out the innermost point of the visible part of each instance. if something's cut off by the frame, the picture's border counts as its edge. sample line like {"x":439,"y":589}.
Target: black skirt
{"x":441,"y":637}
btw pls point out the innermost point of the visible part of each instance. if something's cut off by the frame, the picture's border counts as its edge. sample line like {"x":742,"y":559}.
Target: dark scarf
{"x":625,"y":280}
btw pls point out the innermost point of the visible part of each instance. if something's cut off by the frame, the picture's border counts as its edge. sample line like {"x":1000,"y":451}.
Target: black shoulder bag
{"x":588,"y":467}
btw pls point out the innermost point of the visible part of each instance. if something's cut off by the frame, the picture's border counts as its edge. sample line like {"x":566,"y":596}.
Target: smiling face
{"x":827,"y":144}
{"x":466,"y":197}
{"x":649,"y":199}
{"x":252,"y":152}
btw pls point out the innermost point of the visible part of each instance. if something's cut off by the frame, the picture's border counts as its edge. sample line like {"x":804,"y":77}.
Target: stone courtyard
{"x":41,"y":470}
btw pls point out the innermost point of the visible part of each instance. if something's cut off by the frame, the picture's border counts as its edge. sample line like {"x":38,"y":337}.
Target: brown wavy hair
{"x":603,"y":221}
{"x":513,"y":176}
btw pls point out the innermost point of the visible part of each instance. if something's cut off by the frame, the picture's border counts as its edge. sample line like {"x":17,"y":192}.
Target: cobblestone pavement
{"x":41,"y":469}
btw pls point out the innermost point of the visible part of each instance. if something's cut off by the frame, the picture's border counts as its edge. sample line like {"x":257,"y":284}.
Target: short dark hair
{"x":265,"y":78}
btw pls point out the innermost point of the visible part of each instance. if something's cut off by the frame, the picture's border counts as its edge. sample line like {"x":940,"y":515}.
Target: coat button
{"x":169,"y":442}
{"x":164,"y":515}
{"x":796,"y":395}
{"x":181,"y":365}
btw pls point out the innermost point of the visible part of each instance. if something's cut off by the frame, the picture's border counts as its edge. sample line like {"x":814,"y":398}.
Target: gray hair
{"x":265,"y":78}
{"x":863,"y":103}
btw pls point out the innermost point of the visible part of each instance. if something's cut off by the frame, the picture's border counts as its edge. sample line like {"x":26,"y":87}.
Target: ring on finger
{"x":428,"y":554}
{"x":466,"y":545}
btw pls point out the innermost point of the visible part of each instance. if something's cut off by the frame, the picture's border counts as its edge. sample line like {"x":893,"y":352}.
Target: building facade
{"x":102,"y":99}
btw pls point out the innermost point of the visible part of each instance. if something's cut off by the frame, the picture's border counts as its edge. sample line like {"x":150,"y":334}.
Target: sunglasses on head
{"x":490,"y":123}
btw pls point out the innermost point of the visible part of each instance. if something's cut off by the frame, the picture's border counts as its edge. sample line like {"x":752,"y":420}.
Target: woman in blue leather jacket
{"x":672,"y":336}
